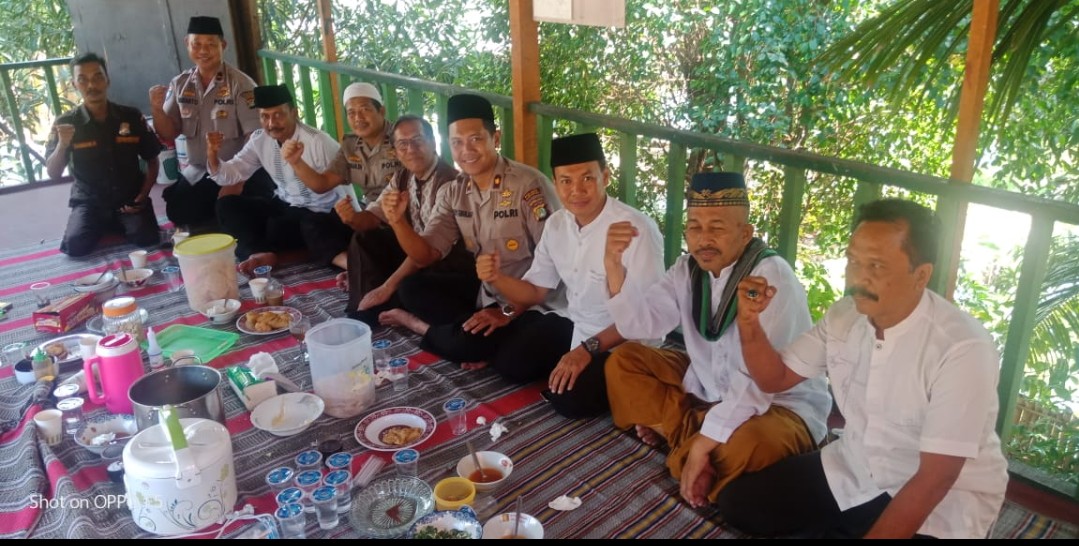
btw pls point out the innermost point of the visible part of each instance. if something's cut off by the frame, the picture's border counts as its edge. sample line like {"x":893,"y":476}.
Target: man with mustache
{"x":704,"y":404}
{"x":914,"y":376}
{"x":367,"y":159}
{"x":210,"y":97}
{"x":102,"y":142}
{"x":496,"y":205}
{"x":296,"y":217}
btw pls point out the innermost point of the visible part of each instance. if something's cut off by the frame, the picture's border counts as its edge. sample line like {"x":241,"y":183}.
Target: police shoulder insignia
{"x":249,"y":98}
{"x":540,"y":212}
{"x":530,"y":194}
{"x":512,"y":244}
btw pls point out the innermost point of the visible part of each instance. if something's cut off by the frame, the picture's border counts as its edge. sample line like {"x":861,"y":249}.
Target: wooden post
{"x":329,"y":52}
{"x":524,"y":52}
{"x":245,"y":17}
{"x":983,"y":32}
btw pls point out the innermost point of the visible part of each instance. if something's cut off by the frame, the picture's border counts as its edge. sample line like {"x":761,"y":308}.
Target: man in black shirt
{"x":102,"y":142}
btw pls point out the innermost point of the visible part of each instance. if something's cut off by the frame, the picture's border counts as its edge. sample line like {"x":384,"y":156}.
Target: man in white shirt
{"x":296,"y":217}
{"x":571,"y":252}
{"x":704,"y":404}
{"x":915,"y":379}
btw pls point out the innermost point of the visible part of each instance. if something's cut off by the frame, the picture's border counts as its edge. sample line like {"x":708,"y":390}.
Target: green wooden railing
{"x":871,"y":180}
{"x":31,"y":161}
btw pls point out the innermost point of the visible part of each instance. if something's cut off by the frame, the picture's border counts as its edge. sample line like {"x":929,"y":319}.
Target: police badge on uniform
{"x":125,"y":128}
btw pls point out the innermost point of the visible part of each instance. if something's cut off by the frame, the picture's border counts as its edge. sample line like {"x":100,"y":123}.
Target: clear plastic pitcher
{"x":341,"y":366}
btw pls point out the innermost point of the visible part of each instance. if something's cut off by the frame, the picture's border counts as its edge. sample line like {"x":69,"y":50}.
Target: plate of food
{"x":391,"y":429}
{"x":266,"y":320}
{"x":65,"y":349}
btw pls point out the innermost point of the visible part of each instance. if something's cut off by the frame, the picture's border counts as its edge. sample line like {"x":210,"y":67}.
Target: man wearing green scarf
{"x":702,"y":402}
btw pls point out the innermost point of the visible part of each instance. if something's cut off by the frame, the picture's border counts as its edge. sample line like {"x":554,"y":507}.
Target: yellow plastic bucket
{"x":208,"y":266}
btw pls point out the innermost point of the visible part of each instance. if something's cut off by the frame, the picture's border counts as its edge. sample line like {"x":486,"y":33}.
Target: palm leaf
{"x":911,"y":48}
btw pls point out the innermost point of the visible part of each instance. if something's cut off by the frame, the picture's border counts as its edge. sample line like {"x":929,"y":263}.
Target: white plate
{"x":71,"y":345}
{"x":300,"y":410}
{"x":370,"y":429}
{"x":241,"y":323}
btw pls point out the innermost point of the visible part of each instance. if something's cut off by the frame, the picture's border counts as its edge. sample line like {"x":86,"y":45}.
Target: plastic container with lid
{"x":341,"y":367}
{"x":122,"y":315}
{"x":208,"y":267}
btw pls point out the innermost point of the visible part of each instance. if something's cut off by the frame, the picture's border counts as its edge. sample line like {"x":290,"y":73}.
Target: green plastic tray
{"x":206,"y":343}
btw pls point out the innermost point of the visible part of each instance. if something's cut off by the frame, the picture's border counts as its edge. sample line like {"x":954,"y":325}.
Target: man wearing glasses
{"x":367,"y":159}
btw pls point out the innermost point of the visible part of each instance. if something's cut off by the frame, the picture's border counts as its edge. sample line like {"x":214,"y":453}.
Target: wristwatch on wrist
{"x":509,"y":310}
{"x":591,"y":345}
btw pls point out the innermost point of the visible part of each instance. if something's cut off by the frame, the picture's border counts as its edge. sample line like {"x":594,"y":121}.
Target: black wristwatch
{"x":591,"y":345}
{"x":509,"y":310}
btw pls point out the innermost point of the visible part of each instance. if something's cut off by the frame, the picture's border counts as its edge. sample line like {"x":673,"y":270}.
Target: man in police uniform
{"x":571,"y":254}
{"x":296,"y":219}
{"x":376,"y":262}
{"x":102,"y":142}
{"x":367,"y":159}
{"x":496,"y":206}
{"x":210,"y":97}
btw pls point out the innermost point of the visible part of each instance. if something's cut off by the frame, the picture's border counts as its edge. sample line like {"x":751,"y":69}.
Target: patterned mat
{"x":63,"y":492}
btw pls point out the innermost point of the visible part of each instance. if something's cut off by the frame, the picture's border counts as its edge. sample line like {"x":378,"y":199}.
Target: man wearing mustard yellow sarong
{"x":704,"y":404}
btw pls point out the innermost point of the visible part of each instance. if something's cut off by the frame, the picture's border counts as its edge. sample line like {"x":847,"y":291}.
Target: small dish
{"x":287,"y":414}
{"x":374,"y":430}
{"x":221,"y":311}
{"x":101,"y":285}
{"x":452,"y":524}
{"x":97,"y":433}
{"x":135,"y":278}
{"x":497,"y":467}
{"x":387,"y":508}
{"x":501,"y":526}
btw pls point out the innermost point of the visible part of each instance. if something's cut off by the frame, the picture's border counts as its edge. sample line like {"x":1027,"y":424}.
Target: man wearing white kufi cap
{"x":366,"y":160}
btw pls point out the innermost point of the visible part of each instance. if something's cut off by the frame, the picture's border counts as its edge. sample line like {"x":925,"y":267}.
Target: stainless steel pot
{"x":191,"y":390}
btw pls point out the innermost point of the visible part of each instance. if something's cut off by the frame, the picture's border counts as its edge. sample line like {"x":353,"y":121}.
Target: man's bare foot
{"x":471,"y":366}
{"x":340,"y":260}
{"x":651,"y":437}
{"x":404,"y":319}
{"x":247,"y":267}
{"x":342,"y":280}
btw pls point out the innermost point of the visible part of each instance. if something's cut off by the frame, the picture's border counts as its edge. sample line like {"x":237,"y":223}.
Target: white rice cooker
{"x":179,"y":475}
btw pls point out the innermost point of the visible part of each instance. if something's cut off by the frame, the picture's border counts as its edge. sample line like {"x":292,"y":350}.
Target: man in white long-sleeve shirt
{"x":296,"y":217}
{"x":704,"y":403}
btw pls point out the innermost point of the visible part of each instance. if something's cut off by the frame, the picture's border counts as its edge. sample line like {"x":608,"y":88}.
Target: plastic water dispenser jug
{"x":341,"y":366}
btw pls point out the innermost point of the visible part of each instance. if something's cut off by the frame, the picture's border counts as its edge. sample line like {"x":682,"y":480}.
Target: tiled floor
{"x":38,"y":216}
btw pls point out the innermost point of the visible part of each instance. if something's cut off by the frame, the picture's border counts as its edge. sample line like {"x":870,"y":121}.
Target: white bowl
{"x":490,"y":461}
{"x":287,"y":414}
{"x":221,"y":311}
{"x":135,"y":277}
{"x":501,"y":526}
{"x":96,"y":433}
{"x":102,"y":286}
{"x":462,"y":519}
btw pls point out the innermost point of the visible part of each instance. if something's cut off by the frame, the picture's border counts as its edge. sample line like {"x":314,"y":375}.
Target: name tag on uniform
{"x":462,"y":213}
{"x":127,"y":140}
{"x":186,"y":100}
{"x":509,"y":213}
{"x":86,"y":144}
{"x":223,"y":102}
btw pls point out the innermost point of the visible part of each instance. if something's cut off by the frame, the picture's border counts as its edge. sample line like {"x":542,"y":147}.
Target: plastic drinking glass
{"x":280,"y":478}
{"x":14,"y":352}
{"x":407,"y":462}
{"x":292,"y":520}
{"x":298,"y":327}
{"x":40,"y":290}
{"x":339,"y":461}
{"x":341,"y":480}
{"x":309,"y":460}
{"x":71,"y":408}
{"x":173,"y":278}
{"x":380,"y":351}
{"x":399,"y":374}
{"x":456,"y":416}
{"x":307,"y":481}
{"x":325,"y":501}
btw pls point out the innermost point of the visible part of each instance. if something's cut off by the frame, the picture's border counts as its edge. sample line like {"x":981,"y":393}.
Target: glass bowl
{"x":387,"y":508}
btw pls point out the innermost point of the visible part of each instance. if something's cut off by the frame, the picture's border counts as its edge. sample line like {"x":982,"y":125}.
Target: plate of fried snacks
{"x":65,"y":349}
{"x":266,"y":320}
{"x":391,"y":429}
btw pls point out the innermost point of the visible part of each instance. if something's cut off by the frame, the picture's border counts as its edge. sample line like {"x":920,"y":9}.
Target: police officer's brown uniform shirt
{"x":507,"y":218}
{"x":226,"y":106}
{"x":423,"y":192}
{"x":370,"y":168}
